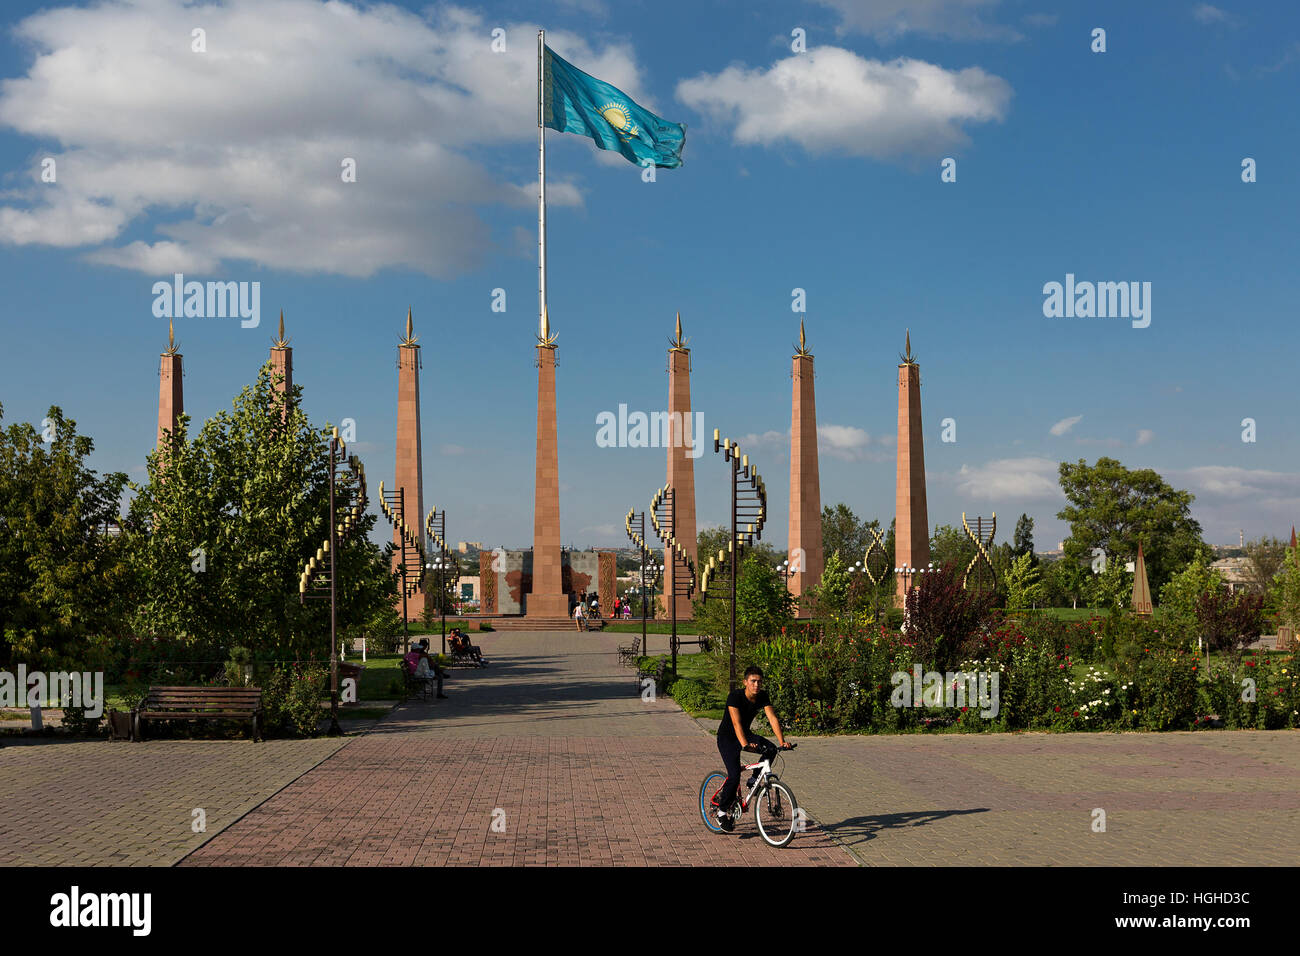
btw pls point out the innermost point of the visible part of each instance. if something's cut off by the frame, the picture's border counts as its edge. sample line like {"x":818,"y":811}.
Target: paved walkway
{"x":552,"y":743}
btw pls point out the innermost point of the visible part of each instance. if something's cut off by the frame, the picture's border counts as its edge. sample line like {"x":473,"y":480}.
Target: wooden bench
{"x":415,"y":686}
{"x":199,"y":703}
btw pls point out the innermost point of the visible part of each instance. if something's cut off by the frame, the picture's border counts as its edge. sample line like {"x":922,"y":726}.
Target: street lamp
{"x":441,"y":564}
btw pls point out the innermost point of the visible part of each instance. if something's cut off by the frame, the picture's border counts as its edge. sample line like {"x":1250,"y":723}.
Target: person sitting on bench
{"x":425,"y":668}
{"x":461,"y":645}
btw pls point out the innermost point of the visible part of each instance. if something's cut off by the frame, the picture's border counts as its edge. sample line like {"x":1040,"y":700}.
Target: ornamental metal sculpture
{"x":410,"y":570}
{"x":748,"y":501}
{"x":981,"y":565}
{"x":634,"y":523}
{"x":436,"y":525}
{"x":663,"y":515}
{"x":319,"y":580}
{"x":875,"y":565}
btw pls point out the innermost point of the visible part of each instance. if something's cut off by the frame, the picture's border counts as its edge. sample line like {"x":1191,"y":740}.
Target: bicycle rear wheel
{"x":777,"y":814}
{"x":708,"y":792}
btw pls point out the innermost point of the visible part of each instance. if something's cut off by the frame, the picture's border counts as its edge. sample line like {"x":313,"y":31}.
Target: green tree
{"x":1264,"y":562}
{"x":845,"y":532}
{"x":1181,"y":594}
{"x":763,"y":605}
{"x":1023,"y":541}
{"x":1110,"y":589}
{"x":1113,"y":508}
{"x":1065,"y":580}
{"x":1288,"y":596}
{"x":950,"y":546}
{"x":830,"y":599}
{"x":225,"y":525}
{"x":1024,"y":587}
{"x":64,"y":579}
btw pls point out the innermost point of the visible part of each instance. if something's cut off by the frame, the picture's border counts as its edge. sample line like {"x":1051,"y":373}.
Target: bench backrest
{"x":204,"y":698}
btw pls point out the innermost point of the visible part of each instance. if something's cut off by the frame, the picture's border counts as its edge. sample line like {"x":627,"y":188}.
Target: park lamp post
{"x":440,"y":564}
{"x":908,"y":574}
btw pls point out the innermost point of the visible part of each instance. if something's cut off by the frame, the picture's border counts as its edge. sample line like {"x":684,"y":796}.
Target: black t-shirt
{"x":748,"y":708}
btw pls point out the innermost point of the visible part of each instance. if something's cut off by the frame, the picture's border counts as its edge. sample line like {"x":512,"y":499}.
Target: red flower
{"x":1058,"y":709}
{"x":1076,"y":713}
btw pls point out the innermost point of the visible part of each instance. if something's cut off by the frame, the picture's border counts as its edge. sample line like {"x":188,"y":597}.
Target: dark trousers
{"x":730,"y":749}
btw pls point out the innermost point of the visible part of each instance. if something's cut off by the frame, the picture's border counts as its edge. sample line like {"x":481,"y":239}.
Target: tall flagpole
{"x":541,"y":191}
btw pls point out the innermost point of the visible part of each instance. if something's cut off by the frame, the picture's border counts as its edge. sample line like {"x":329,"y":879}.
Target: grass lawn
{"x":696,"y":667}
{"x":652,"y":627}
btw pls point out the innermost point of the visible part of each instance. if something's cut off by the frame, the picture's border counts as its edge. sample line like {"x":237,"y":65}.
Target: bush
{"x":291,"y":697}
{"x":691,"y":694}
{"x":944,"y":619}
{"x":1230,"y":621}
{"x":76,"y":722}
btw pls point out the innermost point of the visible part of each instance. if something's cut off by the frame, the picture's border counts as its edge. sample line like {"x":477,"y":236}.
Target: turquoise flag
{"x":573,"y":102}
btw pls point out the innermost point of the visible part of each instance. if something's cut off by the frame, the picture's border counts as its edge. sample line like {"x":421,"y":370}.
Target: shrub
{"x":291,"y":697}
{"x":691,"y":694}
{"x":943,"y":618}
{"x":76,"y":721}
{"x":1230,"y":621}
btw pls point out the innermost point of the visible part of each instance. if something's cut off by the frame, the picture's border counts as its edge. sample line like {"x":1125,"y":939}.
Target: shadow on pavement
{"x":856,"y":830}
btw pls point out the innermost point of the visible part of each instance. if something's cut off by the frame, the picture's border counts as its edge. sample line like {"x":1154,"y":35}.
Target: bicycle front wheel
{"x":708,"y":791}
{"x":777,"y":815}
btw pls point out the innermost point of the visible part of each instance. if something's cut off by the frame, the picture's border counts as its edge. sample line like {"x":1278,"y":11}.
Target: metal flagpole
{"x":541,"y":190}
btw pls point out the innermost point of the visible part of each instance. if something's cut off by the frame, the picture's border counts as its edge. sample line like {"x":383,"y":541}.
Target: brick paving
{"x":96,"y":803}
{"x":552,"y":740}
{"x":1174,"y":799}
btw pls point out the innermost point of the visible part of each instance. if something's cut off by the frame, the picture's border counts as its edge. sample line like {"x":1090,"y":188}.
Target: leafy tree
{"x":1066,"y":580}
{"x":1230,"y":621}
{"x":710,"y":541}
{"x":845,"y":532}
{"x":763,"y":605}
{"x":944,"y":619}
{"x":1110,"y":589}
{"x":1179,"y":596}
{"x":1113,"y":508}
{"x":831,"y":600}
{"x":1289,"y":588}
{"x":64,"y":580}
{"x":1023,"y":542}
{"x":1024,"y":587}
{"x":950,"y":546}
{"x":225,"y":525}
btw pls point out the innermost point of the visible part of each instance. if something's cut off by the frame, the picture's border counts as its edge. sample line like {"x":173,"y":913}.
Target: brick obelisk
{"x":681,"y":466}
{"x":282,"y":368}
{"x":171,"y":399}
{"x":805,"y":538}
{"x":912,"y":531}
{"x":546,"y":599}
{"x":409,"y":471}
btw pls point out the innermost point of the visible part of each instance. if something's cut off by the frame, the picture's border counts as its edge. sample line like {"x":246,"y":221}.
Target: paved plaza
{"x":554,"y":745}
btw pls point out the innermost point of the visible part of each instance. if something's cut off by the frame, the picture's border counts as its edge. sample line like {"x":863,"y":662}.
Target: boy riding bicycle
{"x":734,"y":735}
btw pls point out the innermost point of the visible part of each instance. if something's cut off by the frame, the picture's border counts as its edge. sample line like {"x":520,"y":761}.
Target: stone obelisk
{"x":282,"y":368}
{"x":546,"y":599}
{"x":805,"y":538}
{"x":409,"y":471}
{"x":171,"y":400}
{"x":912,"y":531}
{"x":681,"y":466}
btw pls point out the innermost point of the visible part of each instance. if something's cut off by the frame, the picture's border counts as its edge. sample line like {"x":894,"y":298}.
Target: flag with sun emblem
{"x":573,"y":102}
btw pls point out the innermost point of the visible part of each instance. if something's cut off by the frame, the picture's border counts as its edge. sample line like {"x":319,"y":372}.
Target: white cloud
{"x":240,"y":148}
{"x":842,"y":441}
{"x":832,"y":100}
{"x":1144,"y":436}
{"x":1204,"y":13}
{"x":453,"y":450}
{"x":1065,"y":424}
{"x":887,"y":20}
{"x":1016,"y":479}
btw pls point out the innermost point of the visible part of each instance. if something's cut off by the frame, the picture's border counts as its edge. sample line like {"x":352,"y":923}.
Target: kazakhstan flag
{"x":573,"y":102}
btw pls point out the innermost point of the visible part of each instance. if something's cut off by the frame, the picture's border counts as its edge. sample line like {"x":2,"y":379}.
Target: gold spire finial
{"x":678,"y":344}
{"x":171,"y":338}
{"x":908,"y":358}
{"x":802,"y":348}
{"x":411,"y":337}
{"x":545,"y":340}
{"x":281,"y":342}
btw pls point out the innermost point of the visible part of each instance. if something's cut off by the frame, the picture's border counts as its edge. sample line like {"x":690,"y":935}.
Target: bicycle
{"x":776,"y":812}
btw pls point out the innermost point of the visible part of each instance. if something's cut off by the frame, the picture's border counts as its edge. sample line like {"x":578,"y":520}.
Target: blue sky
{"x":817,"y":170}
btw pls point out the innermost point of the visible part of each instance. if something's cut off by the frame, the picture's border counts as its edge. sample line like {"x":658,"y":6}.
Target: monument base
{"x":548,"y":605}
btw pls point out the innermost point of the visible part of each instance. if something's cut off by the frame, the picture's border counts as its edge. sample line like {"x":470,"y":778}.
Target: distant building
{"x":1237,"y":573}
{"x":464,"y":546}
